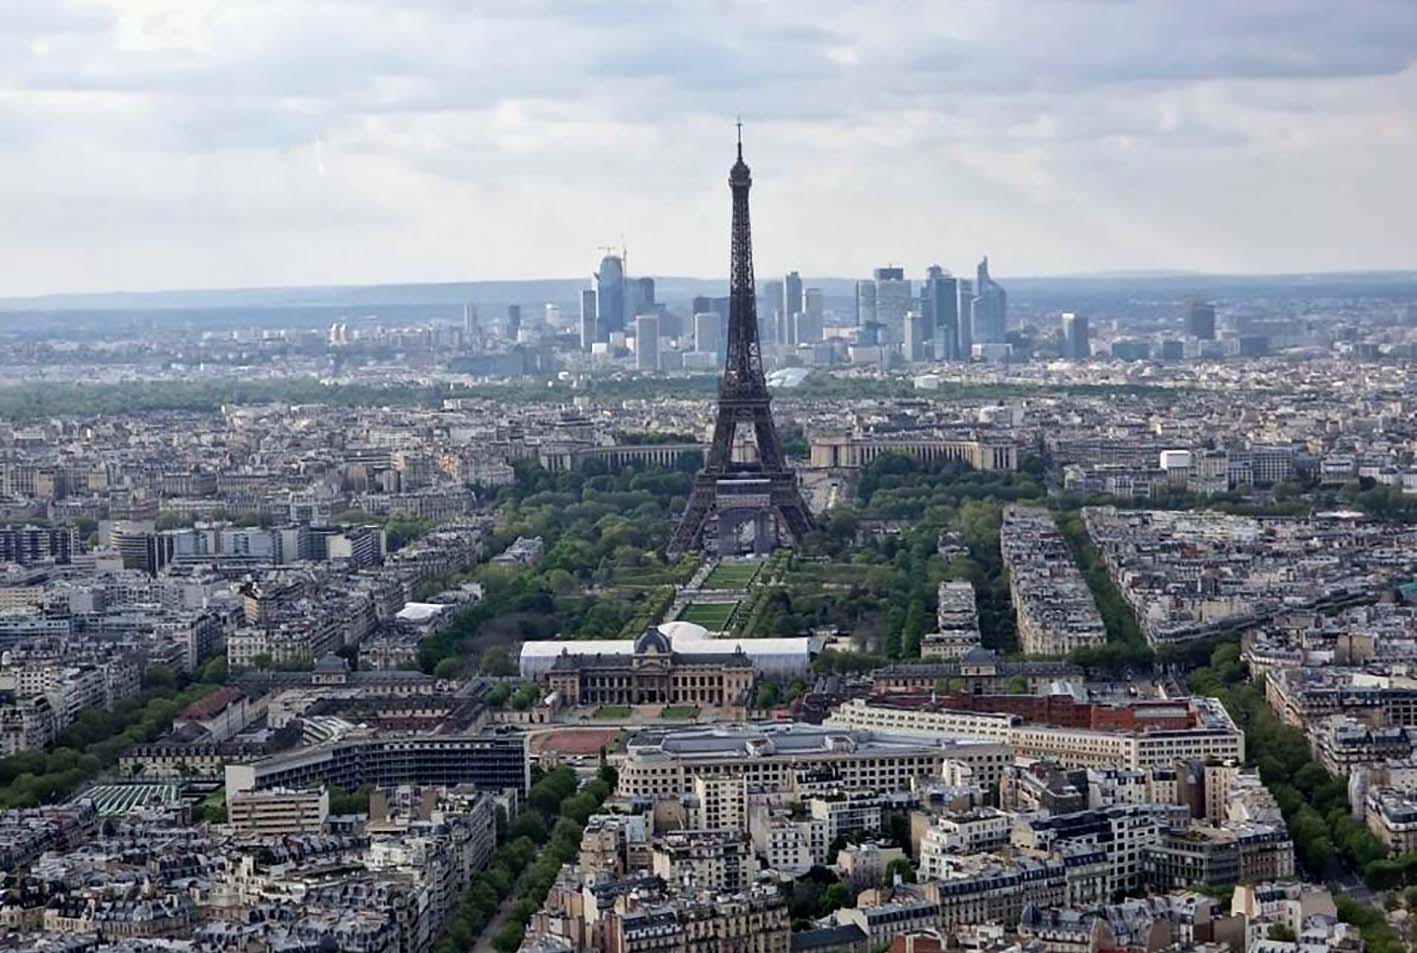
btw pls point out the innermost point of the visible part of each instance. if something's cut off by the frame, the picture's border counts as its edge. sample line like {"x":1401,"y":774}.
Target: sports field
{"x":713,"y":616}
{"x":732,"y":575}
{"x":573,"y":741}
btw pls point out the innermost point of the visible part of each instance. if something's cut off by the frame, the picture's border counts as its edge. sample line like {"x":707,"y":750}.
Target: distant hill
{"x":673,"y":289}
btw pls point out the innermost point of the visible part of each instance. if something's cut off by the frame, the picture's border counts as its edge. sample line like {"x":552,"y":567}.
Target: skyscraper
{"x":990,"y":309}
{"x":791,"y":294}
{"x":708,"y":332}
{"x":647,"y":342}
{"x":965,"y":309}
{"x":640,"y":292}
{"x":1200,"y":320}
{"x":471,"y":329}
{"x":588,"y":319}
{"x":939,"y":304}
{"x":514,"y":320}
{"x":913,"y":344}
{"x":809,"y":327}
{"x":865,"y":303}
{"x":610,"y":297}
{"x":1076,"y":345}
{"x":892,"y":303}
{"x":773,"y":294}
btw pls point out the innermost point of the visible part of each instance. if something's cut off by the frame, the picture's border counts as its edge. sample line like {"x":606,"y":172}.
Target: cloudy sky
{"x":149,"y":144}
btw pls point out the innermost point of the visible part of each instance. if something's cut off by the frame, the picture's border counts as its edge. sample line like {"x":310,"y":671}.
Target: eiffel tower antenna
{"x":728,"y":493}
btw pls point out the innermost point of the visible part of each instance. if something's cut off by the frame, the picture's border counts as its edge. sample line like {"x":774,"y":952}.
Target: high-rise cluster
{"x":621,"y":309}
{"x":944,"y":321}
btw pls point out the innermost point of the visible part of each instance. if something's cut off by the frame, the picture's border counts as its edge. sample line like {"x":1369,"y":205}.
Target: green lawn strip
{"x":711,"y":615}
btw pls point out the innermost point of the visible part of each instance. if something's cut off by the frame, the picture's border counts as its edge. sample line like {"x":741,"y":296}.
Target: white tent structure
{"x":774,"y":658}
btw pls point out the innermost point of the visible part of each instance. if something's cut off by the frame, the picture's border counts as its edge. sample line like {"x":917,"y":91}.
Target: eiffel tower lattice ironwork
{"x":767,"y":485}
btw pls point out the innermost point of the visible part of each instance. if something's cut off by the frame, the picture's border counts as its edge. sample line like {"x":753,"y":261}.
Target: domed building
{"x":653,"y":673}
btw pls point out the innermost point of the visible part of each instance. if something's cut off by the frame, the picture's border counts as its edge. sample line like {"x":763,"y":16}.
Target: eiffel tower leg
{"x":793,"y":512}
{"x":690,"y":531}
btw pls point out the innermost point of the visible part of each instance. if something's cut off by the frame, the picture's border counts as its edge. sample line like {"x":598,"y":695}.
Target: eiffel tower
{"x":728,"y":493}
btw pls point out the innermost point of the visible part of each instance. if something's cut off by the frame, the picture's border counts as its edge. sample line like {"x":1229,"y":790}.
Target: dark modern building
{"x":610,"y":297}
{"x":1200,"y":320}
{"x":1076,"y":343}
{"x":145,"y":551}
{"x":989,"y":316}
{"x":642,"y":300}
{"x":490,"y":761}
{"x":791,"y":295}
{"x":34,"y":544}
{"x":939,"y":303}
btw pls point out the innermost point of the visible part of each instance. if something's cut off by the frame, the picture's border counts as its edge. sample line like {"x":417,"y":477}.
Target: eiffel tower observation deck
{"x":729,"y":495}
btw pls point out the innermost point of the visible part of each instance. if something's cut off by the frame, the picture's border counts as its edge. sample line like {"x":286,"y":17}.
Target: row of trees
{"x":1314,"y":802}
{"x":537,"y":843}
{"x":95,"y":740}
{"x":897,"y":486}
{"x":40,"y":400}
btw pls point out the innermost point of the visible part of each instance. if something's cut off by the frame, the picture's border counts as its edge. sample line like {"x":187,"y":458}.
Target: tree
{"x":448,"y":668}
{"x":499,"y":694}
{"x":767,"y":695}
{"x":530,"y":825}
{"x":345,"y":802}
{"x":509,"y":938}
{"x":913,"y":629}
{"x":495,"y":661}
{"x":216,"y":671}
{"x":902,"y":867}
{"x":159,"y":676}
{"x":1280,"y":932}
{"x":835,"y":897}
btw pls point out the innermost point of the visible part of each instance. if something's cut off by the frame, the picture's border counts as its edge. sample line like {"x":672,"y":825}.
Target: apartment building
{"x":957,"y":622}
{"x":1123,"y":833}
{"x":278,"y":812}
{"x":1209,"y":733}
{"x":722,"y":861}
{"x":754,"y":921}
{"x":1392,"y":817}
{"x":796,"y":756}
{"x":1056,"y":612}
{"x":967,"y":832}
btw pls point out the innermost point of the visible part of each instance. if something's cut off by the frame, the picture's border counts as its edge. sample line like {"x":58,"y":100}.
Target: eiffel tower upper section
{"x":743,"y":371}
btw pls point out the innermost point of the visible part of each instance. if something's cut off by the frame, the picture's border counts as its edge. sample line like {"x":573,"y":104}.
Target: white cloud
{"x":161,"y":143}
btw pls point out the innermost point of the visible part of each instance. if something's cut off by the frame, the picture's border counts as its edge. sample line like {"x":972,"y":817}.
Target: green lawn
{"x":613,"y":712}
{"x":732,"y":575}
{"x":679,"y":712}
{"x":713,"y":616}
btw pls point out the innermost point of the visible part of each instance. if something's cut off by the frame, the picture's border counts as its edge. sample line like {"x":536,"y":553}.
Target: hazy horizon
{"x":158,"y":145}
